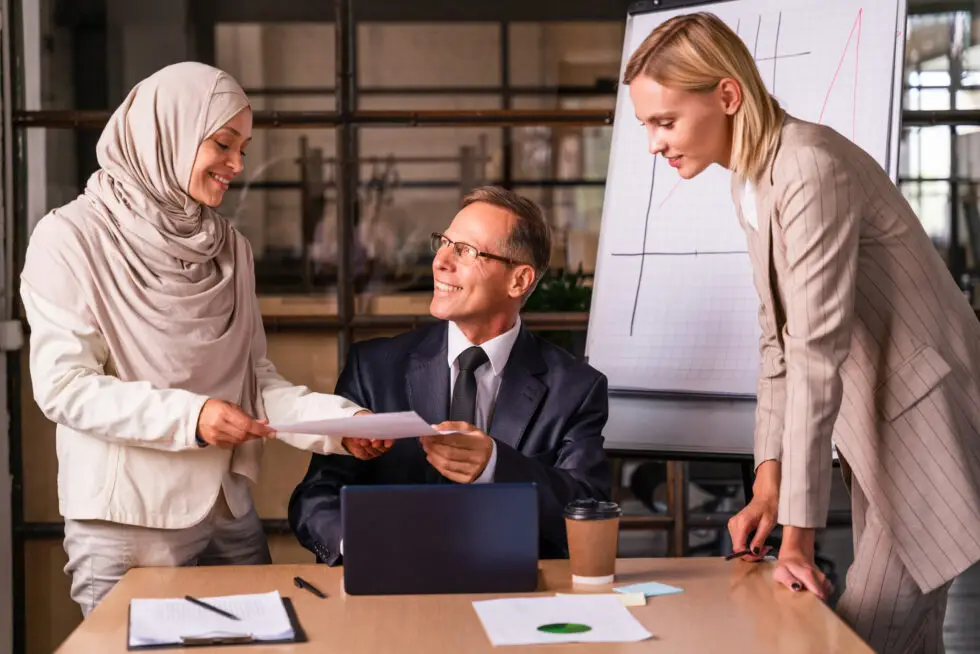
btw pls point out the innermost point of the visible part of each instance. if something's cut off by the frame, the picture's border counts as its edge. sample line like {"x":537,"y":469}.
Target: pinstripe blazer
{"x":866,"y":340}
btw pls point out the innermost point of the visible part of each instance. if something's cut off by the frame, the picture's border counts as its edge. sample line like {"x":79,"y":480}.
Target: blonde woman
{"x":147,"y":346}
{"x":866,"y":339}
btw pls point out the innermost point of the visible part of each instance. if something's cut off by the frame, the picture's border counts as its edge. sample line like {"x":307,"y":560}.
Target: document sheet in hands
{"x":380,"y":426}
{"x":262,"y":617}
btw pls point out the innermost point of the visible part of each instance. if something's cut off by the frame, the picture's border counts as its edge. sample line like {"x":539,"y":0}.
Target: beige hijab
{"x":168,"y":282}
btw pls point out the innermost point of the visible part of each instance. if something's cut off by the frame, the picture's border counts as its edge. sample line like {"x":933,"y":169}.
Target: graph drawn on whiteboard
{"x":675,"y":308}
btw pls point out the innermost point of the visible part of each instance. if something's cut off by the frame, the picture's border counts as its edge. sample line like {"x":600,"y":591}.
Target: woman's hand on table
{"x":750,"y":527}
{"x":797,"y":568}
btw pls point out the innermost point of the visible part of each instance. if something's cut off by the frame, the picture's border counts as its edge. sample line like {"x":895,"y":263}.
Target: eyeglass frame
{"x":479,"y":253}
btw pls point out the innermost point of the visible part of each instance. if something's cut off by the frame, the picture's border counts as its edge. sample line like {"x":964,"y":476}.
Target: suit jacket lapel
{"x":521,"y":392}
{"x":428,"y":378}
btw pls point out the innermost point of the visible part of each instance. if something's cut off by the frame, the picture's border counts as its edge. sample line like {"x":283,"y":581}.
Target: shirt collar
{"x":498,"y":348}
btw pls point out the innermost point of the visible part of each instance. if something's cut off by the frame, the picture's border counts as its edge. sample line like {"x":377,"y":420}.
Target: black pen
{"x":205,"y":605}
{"x":304,"y":584}
{"x":748,"y":551}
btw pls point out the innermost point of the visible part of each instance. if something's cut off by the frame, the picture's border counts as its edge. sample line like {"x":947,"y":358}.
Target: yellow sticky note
{"x":627,"y":599}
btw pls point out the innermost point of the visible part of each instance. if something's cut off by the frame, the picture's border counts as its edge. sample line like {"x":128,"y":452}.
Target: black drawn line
{"x":785,"y":56}
{"x":692,"y":253}
{"x":646,"y":226}
{"x":653,"y":177}
{"x":775,"y":49}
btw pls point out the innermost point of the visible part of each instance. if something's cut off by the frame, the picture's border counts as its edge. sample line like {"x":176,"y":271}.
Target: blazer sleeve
{"x":68,"y":359}
{"x":287,"y":403}
{"x":580,"y":471}
{"x":314,"y":506}
{"x":819,"y":215}
{"x":770,"y":407}
{"x":771,"y":387}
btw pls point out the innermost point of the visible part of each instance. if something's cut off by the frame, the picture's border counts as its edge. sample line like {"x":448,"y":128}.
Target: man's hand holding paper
{"x":461,"y":452}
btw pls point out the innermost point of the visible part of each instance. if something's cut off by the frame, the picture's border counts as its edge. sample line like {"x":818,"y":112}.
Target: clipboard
{"x":299,"y":635}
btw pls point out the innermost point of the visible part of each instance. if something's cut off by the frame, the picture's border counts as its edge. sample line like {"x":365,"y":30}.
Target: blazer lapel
{"x":763,"y":209}
{"x":765,"y":275}
{"x":758,"y":238}
{"x":428,"y":378}
{"x":521,"y":392}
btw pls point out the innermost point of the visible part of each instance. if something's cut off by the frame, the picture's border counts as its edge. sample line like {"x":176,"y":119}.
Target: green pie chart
{"x":564,"y":628}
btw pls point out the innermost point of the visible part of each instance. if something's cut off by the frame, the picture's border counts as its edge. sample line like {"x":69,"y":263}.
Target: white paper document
{"x":381,"y":426}
{"x":170,"y":621}
{"x":564,"y":619}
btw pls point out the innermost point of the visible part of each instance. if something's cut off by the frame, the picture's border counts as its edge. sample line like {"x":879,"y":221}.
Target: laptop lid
{"x":440,"y":538}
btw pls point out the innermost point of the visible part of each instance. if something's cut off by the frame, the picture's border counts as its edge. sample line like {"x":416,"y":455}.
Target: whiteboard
{"x":674,"y":316}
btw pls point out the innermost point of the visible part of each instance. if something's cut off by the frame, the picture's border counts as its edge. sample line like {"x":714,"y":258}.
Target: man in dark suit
{"x":528,"y":411}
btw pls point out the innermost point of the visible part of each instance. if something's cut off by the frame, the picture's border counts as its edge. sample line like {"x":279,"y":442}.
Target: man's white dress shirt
{"x":488,"y":378}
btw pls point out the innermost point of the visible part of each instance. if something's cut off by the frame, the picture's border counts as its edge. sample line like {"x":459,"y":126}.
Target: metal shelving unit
{"x":346,"y":119}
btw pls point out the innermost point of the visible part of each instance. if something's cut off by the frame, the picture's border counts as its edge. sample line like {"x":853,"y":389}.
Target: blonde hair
{"x":694,"y":52}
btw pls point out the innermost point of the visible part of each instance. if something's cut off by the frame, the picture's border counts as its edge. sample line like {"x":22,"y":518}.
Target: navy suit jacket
{"x":547,"y":422}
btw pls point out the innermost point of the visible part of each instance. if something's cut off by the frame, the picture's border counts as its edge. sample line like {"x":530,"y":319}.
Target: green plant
{"x":561,"y":291}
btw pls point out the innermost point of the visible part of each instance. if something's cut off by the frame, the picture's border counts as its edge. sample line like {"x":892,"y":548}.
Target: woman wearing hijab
{"x":866,"y":339}
{"x":147,"y":345}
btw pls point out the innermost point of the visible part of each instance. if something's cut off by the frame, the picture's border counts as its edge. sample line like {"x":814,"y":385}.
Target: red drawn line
{"x":857,"y":62}
{"x":669,"y":193}
{"x":855,"y":27}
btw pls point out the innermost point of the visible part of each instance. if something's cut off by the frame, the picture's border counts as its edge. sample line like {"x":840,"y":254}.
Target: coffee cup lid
{"x":592,"y":509}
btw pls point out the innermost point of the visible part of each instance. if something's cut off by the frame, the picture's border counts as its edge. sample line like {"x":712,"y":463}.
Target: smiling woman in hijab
{"x":147,"y":345}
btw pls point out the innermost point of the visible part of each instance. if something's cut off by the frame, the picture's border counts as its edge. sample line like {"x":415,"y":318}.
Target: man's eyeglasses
{"x":465,"y":252}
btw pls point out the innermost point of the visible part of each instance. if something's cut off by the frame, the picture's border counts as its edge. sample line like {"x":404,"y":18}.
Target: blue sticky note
{"x":650,"y":589}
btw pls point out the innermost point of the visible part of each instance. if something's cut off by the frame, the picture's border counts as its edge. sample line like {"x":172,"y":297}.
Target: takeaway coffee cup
{"x":593,"y":534}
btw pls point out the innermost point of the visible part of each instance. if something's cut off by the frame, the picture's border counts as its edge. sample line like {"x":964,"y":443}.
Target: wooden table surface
{"x":726,"y":607}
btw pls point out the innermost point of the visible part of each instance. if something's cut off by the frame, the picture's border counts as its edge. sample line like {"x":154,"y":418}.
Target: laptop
{"x":440,"y":538}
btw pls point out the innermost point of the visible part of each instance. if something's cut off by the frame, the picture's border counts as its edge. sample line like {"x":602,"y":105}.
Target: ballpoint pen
{"x":304,"y":584}
{"x":205,"y":605}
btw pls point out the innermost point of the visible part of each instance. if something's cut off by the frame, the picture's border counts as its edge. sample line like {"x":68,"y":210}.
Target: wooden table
{"x":726,"y":607}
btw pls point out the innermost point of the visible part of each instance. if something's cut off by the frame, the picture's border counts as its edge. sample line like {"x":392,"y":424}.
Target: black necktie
{"x":463,"y":406}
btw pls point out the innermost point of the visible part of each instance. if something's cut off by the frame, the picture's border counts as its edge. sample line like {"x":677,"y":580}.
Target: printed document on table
{"x":168,"y":621}
{"x":518,"y":621}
